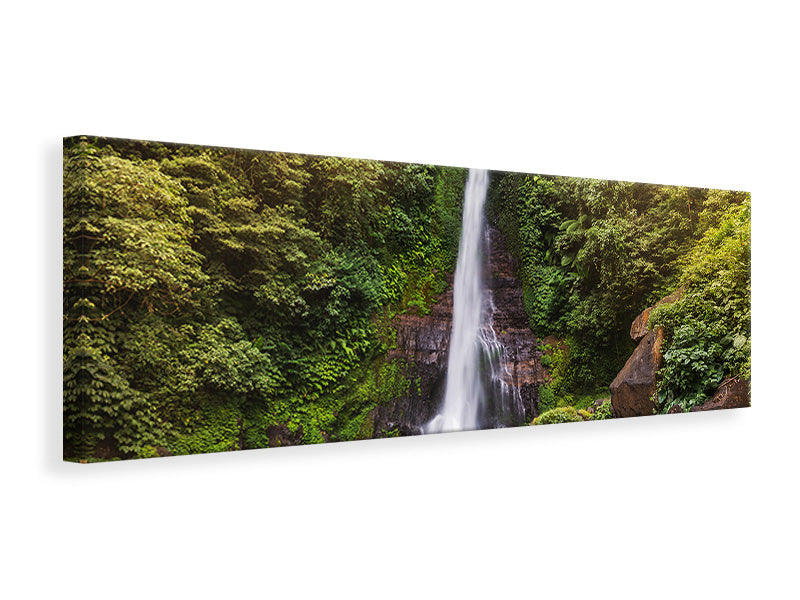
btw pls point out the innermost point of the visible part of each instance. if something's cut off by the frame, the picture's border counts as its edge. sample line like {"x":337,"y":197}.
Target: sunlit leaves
{"x":707,"y":331}
{"x":215,"y":296}
{"x":594,"y":253}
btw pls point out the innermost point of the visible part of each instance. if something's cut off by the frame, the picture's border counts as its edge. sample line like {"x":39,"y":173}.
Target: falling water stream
{"x":477,"y":393}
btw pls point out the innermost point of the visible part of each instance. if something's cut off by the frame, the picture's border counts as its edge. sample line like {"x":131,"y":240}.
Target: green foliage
{"x":209,"y":428}
{"x":217,"y":299}
{"x":558,"y":393}
{"x":603,"y":412}
{"x":564,"y":414}
{"x":547,"y":299}
{"x":557,"y":361}
{"x":693,"y":367}
{"x":137,"y":236}
{"x":553,"y":411}
{"x":547,"y":399}
{"x":148,"y":452}
{"x":707,"y":331}
{"x":380,"y":382}
{"x":446,"y":212}
{"x":103,"y":414}
{"x":592,"y":255}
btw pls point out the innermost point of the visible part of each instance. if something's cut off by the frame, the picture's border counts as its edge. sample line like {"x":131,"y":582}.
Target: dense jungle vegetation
{"x":219,"y":299}
{"x":593,"y":254}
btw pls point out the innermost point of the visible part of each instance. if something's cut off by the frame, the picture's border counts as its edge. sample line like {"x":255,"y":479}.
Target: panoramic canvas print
{"x":221,"y":299}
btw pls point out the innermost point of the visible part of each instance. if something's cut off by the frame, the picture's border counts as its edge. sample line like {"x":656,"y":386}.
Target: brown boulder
{"x":634,"y":386}
{"x":639,"y":325}
{"x":732,"y":393}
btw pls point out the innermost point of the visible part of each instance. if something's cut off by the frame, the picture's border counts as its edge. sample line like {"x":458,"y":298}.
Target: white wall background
{"x":690,"y":93}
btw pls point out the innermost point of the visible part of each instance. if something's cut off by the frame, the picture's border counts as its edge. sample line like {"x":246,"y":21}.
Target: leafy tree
{"x":593,"y":254}
{"x":707,"y":331}
{"x":103,"y":415}
{"x":218,"y":299}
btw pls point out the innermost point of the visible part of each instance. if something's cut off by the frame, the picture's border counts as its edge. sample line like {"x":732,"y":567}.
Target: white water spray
{"x":464,"y":390}
{"x":477,"y":391}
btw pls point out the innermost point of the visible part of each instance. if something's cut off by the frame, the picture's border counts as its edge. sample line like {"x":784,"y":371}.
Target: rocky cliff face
{"x":521,"y":359}
{"x":423,"y":343}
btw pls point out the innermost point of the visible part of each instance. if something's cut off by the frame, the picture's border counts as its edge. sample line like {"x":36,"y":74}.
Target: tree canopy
{"x":594,"y":253}
{"x":221,"y":299}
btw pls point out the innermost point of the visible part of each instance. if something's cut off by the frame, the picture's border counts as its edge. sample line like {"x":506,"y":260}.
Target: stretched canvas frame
{"x":222,"y":299}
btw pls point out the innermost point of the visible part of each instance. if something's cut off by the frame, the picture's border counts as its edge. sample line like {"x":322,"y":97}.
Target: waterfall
{"x":477,"y":390}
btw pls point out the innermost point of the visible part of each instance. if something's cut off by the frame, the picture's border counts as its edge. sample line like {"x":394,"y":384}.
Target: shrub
{"x":603,"y":412}
{"x":707,"y":331}
{"x":547,"y":400}
{"x":564,"y":414}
